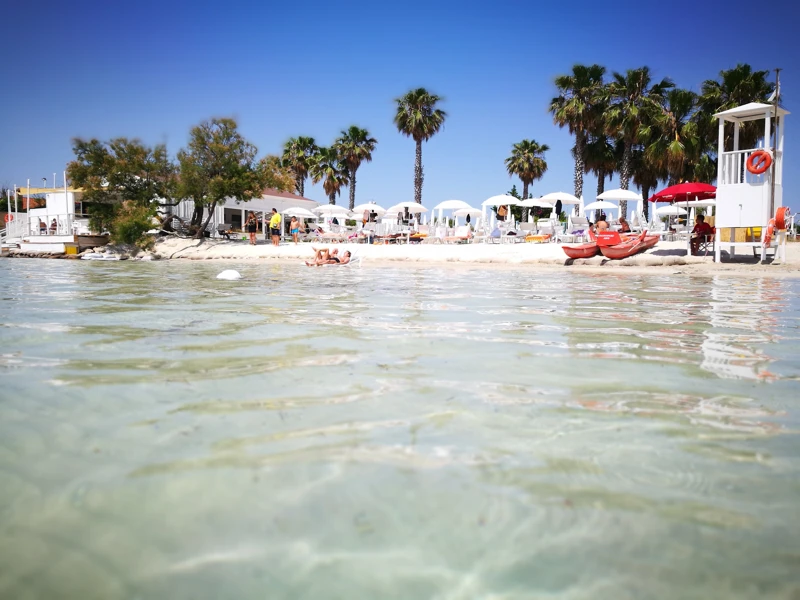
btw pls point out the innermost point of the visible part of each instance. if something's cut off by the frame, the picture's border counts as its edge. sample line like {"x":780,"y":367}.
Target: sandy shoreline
{"x":542,"y":256}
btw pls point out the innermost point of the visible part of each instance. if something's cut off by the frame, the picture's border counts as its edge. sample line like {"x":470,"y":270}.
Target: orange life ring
{"x":768,"y":234}
{"x":780,"y":217}
{"x":759,"y":161}
{"x":9,"y":217}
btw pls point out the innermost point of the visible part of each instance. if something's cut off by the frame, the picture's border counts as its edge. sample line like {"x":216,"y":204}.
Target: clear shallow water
{"x":396,"y":433}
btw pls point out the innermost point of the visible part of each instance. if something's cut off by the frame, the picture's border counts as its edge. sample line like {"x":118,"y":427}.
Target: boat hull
{"x":629,"y":248}
{"x":582,"y":250}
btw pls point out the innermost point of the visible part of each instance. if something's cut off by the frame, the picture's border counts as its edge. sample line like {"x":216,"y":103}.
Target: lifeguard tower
{"x":745,"y":197}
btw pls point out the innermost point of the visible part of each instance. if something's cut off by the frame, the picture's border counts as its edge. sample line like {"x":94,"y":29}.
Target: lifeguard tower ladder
{"x":744,"y":198}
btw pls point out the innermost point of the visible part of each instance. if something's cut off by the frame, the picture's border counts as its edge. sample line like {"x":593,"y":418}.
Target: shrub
{"x":131,"y":224}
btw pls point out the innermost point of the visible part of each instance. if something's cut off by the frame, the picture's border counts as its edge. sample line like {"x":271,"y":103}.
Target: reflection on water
{"x":396,"y":433}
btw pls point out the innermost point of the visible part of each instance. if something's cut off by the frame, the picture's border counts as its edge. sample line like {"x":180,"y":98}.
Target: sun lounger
{"x":462,"y":235}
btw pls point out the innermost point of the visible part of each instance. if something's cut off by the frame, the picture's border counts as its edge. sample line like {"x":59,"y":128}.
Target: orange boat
{"x":587,"y":250}
{"x":628,"y":247}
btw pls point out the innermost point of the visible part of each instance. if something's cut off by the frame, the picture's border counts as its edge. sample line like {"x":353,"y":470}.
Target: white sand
{"x":669,"y":254}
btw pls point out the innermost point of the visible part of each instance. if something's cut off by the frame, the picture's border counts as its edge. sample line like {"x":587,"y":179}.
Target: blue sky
{"x":153,"y":70}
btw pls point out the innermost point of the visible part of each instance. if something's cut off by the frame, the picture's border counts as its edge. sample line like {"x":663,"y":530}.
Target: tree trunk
{"x":625,"y":176}
{"x":301,"y":184}
{"x":332,"y":198}
{"x":201,"y":232}
{"x":352,"y":189}
{"x":601,"y":187}
{"x":197,"y":215}
{"x":646,"y":203}
{"x":527,"y":211}
{"x":418,"y":176}
{"x":580,"y":152}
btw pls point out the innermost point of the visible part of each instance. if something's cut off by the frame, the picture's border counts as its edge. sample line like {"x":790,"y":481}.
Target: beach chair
{"x":546,"y":227}
{"x":461,"y":235}
{"x":224,"y":230}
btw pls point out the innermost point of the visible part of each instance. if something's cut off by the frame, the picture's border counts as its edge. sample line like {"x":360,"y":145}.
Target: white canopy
{"x":370,"y":206}
{"x":600,"y":205}
{"x":565,"y":198}
{"x":451,"y":205}
{"x":535,"y":203}
{"x":620,"y":195}
{"x":330,"y":210}
{"x":298,"y":211}
{"x":670,"y":210}
{"x":463,"y":212}
{"x":699,"y":203}
{"x":412,"y":207}
{"x":503,"y":200}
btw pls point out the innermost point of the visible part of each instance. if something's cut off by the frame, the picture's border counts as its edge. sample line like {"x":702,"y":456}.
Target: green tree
{"x":417,"y":117}
{"x":122,"y":172}
{"x":527,"y":162}
{"x":354,"y":146}
{"x":675,"y":145}
{"x":634,"y":102}
{"x":576,"y":107}
{"x":735,"y":87}
{"x":328,"y":168}
{"x":298,"y":154}
{"x":219,"y":164}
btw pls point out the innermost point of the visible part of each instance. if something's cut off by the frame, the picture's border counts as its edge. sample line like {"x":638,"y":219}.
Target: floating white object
{"x":99,"y":256}
{"x":229,"y":275}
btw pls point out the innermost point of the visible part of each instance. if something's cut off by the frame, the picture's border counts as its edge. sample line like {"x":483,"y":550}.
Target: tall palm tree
{"x":645,"y":175}
{"x":676,"y":145}
{"x":602,"y":159}
{"x":354,"y":147}
{"x":576,"y":107}
{"x":417,"y":117}
{"x":633,"y":104}
{"x":328,"y":168}
{"x":298,"y":154}
{"x":737,"y":86}
{"x":527,"y":162}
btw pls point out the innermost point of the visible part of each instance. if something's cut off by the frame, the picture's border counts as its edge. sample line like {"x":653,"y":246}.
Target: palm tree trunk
{"x":418,"y":176}
{"x":625,"y":176}
{"x":352,"y":189}
{"x":601,"y":187}
{"x":525,"y":197}
{"x":580,"y":153}
{"x":301,"y":184}
{"x":332,"y":198}
{"x":646,"y":204}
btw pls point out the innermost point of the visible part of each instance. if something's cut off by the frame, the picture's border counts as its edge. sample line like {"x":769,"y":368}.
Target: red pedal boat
{"x":587,"y":250}
{"x":626,"y":248}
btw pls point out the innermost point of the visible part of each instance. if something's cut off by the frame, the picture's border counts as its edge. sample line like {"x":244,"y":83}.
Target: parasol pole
{"x":775,"y":141}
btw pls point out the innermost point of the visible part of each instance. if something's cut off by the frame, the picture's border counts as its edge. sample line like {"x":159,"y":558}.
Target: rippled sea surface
{"x":396,"y":433}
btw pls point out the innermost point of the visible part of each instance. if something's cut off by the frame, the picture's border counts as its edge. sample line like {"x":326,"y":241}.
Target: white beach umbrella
{"x":463,"y":212}
{"x":699,"y":203}
{"x":620,"y":195}
{"x":412,"y":207}
{"x":451,"y":205}
{"x":299,"y":211}
{"x":503,"y":200}
{"x":600,"y":205}
{"x":565,"y":198}
{"x":331,"y":210}
{"x":670,"y":210}
{"x":535,"y":203}
{"x":370,"y":206}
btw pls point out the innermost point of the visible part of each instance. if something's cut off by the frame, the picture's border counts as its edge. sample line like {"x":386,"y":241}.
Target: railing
{"x":733,"y":168}
{"x":52,"y":224}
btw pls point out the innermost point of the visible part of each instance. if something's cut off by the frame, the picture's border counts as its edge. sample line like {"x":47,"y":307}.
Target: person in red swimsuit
{"x":702,"y":231}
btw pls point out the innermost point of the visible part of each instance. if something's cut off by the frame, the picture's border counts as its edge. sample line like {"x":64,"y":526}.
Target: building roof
{"x":273,"y":193}
{"x":749,"y":112}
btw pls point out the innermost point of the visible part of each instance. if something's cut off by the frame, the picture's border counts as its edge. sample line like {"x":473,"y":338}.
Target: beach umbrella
{"x":565,"y":198}
{"x":463,"y":212}
{"x":451,"y":205}
{"x":684,"y":192}
{"x":331,"y":210}
{"x":413,"y":207}
{"x":535,"y":203}
{"x":503,"y":200}
{"x":600,"y":205}
{"x":370,"y":206}
{"x":298,"y":211}
{"x":620,"y":195}
{"x":710,"y":203}
{"x":670,"y":210}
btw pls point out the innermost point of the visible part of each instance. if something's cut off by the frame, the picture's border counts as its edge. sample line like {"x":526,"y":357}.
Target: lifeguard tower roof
{"x":749,"y":112}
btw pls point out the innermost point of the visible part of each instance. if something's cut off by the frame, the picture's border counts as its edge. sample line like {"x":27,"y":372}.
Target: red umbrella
{"x":685,"y":191}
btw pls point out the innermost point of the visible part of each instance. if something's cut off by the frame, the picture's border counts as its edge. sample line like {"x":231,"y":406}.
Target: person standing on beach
{"x":294,"y":229}
{"x":252,"y":226}
{"x":275,"y":227}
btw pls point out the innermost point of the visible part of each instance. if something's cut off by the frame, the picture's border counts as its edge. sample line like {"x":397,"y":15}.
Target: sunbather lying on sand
{"x":331,"y":258}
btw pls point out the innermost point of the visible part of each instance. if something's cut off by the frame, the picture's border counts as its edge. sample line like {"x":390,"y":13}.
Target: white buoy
{"x":229,"y":275}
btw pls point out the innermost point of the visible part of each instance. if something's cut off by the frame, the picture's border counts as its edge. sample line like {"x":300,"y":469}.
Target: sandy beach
{"x":665,"y":254}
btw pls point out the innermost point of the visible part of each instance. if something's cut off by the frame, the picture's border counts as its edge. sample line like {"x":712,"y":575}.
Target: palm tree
{"x":675,"y":147}
{"x":602,"y":159}
{"x":298,"y":154}
{"x":575,"y":107}
{"x":354,"y":146}
{"x":417,"y":117}
{"x":328,"y":168}
{"x":633,"y":104}
{"x":737,"y":86}
{"x":646,"y":175}
{"x":527,"y":162}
